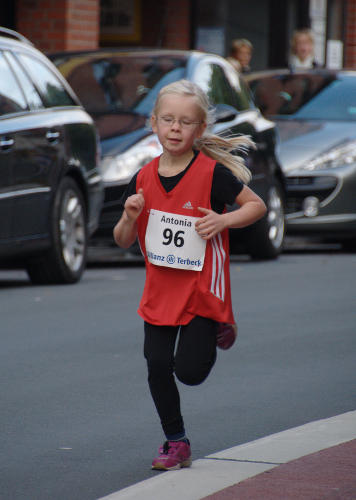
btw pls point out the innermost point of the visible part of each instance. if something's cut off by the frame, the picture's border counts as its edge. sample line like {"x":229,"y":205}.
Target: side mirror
{"x":225,"y":113}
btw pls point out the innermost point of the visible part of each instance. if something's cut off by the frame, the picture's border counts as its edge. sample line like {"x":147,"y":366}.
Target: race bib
{"x":172,"y":241}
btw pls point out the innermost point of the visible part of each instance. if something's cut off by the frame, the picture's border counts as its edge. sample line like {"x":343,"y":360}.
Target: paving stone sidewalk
{"x":329,"y":474}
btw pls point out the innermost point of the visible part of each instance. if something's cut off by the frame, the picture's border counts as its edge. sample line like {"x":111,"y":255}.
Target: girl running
{"x":175,"y":205}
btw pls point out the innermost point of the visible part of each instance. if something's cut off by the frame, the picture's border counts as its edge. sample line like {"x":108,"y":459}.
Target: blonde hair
{"x":297,"y":33}
{"x":216,"y":147}
{"x":238,"y":43}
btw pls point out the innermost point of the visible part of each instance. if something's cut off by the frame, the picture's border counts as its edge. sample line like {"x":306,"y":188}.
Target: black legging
{"x":194,"y":358}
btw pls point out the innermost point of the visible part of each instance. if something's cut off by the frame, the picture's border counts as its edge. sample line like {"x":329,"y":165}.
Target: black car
{"x":119,"y":87}
{"x":51,"y":189}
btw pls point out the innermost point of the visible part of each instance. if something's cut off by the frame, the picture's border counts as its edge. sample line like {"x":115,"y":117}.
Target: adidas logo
{"x":188,"y":205}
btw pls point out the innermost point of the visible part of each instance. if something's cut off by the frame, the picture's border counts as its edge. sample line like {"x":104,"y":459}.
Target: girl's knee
{"x":194,"y":372}
{"x":191,"y":376}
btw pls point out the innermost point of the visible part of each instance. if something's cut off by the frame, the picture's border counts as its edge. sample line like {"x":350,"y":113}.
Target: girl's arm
{"x":125,"y":231}
{"x":252,"y":208}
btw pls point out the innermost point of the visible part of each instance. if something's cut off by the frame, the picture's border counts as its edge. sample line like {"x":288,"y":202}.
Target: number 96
{"x":169,"y":236}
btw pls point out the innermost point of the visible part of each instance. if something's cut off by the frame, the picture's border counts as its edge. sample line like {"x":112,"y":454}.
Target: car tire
{"x":266,"y":238}
{"x":65,"y":261}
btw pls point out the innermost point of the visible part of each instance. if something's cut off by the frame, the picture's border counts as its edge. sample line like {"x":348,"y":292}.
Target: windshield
{"x":114,"y":83}
{"x":119,"y":91}
{"x":307,"y":96}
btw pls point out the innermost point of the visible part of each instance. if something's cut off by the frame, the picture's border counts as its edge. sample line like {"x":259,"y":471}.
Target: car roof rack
{"x":14,"y":34}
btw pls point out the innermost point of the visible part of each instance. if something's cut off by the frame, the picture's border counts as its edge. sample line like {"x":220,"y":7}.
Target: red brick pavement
{"x":329,"y":474}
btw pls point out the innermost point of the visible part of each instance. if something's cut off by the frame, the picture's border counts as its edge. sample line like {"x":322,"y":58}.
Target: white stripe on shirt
{"x":217,"y":286}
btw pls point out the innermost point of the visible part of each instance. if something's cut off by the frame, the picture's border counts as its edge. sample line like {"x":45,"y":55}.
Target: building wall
{"x":54,"y":25}
{"x":177,"y":24}
{"x":350,"y":35}
{"x":250,"y":20}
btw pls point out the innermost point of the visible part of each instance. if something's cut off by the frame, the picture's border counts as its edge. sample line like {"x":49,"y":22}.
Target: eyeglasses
{"x":170,"y":120}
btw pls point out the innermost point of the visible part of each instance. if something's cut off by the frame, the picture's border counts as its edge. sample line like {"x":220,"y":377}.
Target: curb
{"x":231,"y":466}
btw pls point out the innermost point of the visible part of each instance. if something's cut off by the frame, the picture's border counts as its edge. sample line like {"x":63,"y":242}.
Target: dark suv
{"x":118,"y":88}
{"x":51,"y":189}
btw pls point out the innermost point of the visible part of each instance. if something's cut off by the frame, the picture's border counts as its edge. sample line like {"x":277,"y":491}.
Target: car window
{"x":334,"y":101}
{"x":245,"y":98}
{"x":12,"y":99}
{"x":146,"y":105}
{"x":214,"y":82}
{"x":47,"y":82}
{"x":313,"y":96}
{"x":211,"y":78}
{"x":118,"y":84}
{"x":268,"y":95}
{"x":32,"y":96}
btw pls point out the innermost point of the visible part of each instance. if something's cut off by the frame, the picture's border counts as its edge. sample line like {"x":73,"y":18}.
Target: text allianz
{"x":180,"y":260}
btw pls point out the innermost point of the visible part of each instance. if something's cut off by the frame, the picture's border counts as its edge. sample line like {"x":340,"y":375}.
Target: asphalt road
{"x":76,"y":418}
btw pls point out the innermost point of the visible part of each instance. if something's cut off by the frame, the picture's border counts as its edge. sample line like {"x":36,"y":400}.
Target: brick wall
{"x":74,"y":24}
{"x":165,"y":23}
{"x":83,"y":18}
{"x":54,"y":25}
{"x":350,"y":35}
{"x":177,"y":24}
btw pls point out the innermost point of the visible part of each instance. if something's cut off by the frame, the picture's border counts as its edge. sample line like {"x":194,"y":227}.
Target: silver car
{"x":315,"y":112}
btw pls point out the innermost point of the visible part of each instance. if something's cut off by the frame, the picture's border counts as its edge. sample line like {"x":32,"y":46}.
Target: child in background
{"x":241,"y":54}
{"x":175,"y":205}
{"x":302,"y":50}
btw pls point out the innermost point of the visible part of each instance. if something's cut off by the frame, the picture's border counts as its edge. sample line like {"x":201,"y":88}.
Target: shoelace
{"x":166,"y":448}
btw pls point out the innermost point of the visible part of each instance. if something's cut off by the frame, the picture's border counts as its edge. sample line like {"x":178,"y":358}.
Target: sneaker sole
{"x":161,"y":466}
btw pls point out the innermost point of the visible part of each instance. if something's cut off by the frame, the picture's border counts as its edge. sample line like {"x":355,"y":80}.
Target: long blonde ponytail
{"x":222,"y":149}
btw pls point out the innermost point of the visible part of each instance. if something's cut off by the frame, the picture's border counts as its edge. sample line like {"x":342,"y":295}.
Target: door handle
{"x":6,"y":142}
{"x":52,"y":136}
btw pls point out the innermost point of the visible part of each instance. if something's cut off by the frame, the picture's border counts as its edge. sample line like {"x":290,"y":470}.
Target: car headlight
{"x":121,"y":168}
{"x":339,"y":156}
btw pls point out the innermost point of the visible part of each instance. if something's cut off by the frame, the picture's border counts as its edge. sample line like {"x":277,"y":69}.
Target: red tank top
{"x":174,"y":296}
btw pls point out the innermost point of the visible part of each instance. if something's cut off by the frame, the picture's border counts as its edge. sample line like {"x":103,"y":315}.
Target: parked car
{"x":51,"y":190}
{"x":119,"y":87}
{"x":315,"y":112}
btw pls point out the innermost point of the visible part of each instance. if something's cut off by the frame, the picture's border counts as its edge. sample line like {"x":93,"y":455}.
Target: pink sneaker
{"x":173,"y":455}
{"x":226,"y":335}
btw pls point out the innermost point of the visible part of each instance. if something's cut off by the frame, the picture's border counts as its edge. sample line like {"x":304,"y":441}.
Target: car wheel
{"x":65,"y":261}
{"x":267,"y":236}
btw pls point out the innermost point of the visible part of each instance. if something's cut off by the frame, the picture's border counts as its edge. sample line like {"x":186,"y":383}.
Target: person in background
{"x":240,"y":55}
{"x":302,"y":50}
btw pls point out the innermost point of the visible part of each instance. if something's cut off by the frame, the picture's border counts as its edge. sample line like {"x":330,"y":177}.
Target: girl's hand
{"x":134,"y":205}
{"x":125,"y":231}
{"x":209,"y":225}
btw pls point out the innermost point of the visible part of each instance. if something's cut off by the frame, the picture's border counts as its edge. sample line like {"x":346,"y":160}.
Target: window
{"x":214,"y":82}
{"x":32,"y":96}
{"x":47,"y":82}
{"x":314,"y":96}
{"x":11,"y":98}
{"x":244,"y":97}
{"x":119,"y":84}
